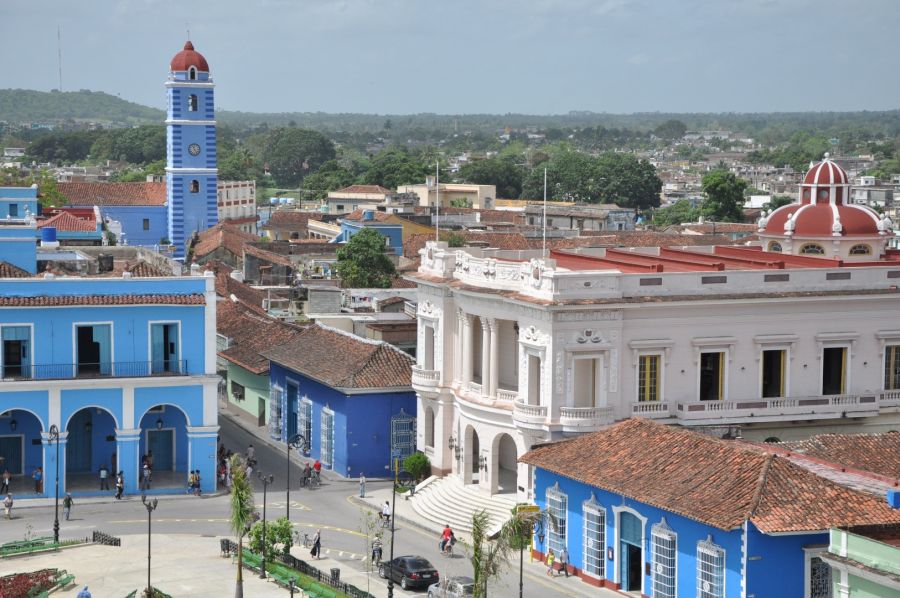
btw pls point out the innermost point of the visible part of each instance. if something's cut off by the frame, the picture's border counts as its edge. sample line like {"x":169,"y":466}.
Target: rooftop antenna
{"x":437,"y":191}
{"x":544,"y":220}
{"x":59,"y":55}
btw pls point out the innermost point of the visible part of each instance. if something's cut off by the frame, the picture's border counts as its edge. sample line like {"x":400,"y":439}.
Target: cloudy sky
{"x":469,"y":56}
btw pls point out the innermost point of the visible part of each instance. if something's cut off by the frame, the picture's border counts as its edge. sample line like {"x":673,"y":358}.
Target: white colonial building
{"x":517,"y":349}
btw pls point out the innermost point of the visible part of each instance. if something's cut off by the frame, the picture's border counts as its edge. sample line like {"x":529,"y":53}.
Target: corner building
{"x":517,"y":349}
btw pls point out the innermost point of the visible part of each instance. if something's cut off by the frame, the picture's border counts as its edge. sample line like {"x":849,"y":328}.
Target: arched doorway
{"x":164,"y":441}
{"x":19,"y":454}
{"x":506,"y":461}
{"x":471,"y":457}
{"x":90,"y":443}
{"x":429,"y":427}
{"x":631,"y":559}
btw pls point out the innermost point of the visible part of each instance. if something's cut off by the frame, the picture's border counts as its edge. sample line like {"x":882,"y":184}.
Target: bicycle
{"x":314,"y":481}
{"x":302,"y":540}
{"x":447,"y":549}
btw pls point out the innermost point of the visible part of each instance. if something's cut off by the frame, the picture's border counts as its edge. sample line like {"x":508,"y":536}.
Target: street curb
{"x":418,"y":524}
{"x":102,"y":500}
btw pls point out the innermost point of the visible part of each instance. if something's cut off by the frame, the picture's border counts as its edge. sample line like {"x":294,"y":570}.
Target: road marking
{"x":326,"y":526}
{"x":161,"y":520}
{"x":280,"y":505}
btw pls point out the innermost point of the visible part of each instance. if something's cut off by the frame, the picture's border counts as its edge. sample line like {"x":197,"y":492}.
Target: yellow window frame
{"x":649,"y":377}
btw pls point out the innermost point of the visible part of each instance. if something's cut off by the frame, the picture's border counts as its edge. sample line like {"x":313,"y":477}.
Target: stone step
{"x":448,"y":501}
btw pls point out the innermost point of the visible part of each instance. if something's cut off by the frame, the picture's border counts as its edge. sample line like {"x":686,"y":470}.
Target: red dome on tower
{"x":188,"y":58}
{"x":826,"y":172}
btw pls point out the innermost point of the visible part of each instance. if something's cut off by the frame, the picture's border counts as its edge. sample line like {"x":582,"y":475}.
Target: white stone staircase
{"x":447,"y":500}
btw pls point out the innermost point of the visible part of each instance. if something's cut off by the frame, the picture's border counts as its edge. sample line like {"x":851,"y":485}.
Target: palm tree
{"x":242,"y":514}
{"x":492,"y":552}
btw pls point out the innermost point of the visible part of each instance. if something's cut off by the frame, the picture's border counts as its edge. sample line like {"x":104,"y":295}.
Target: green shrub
{"x":417,"y":465}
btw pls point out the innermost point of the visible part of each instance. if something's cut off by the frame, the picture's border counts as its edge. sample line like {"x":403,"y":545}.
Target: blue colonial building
{"x":18,"y":202}
{"x":391,"y":231}
{"x":119,"y":366}
{"x":349,"y":397}
{"x":191,"y":172}
{"x":660,"y":511}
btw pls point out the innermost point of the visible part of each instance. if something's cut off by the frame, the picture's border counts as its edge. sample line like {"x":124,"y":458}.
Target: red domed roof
{"x":188,"y":58}
{"x":826,"y":172}
{"x":818,"y":220}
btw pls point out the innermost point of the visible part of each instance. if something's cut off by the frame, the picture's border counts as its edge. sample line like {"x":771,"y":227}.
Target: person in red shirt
{"x":446,"y":537}
{"x":317,"y":466}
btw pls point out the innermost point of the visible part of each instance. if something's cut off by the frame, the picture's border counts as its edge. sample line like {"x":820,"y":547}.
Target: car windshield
{"x":418,"y":564}
{"x":468,"y":589}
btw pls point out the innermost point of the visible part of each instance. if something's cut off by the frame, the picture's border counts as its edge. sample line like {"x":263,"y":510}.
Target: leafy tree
{"x":723,"y":196}
{"x":455,"y":240}
{"x":242,"y":514}
{"x":362,"y":262}
{"x":48,"y":192}
{"x":330,"y":177}
{"x":671,"y":129}
{"x":500,"y":171}
{"x":277,"y":532}
{"x":777,"y":201}
{"x":627,"y":181}
{"x":417,"y":465}
{"x":394,"y":167}
{"x":239,"y":164}
{"x":679,"y":212}
{"x":293,"y":153}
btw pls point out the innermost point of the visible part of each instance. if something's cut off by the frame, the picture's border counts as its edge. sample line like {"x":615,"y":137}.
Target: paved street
{"x":328,"y":508}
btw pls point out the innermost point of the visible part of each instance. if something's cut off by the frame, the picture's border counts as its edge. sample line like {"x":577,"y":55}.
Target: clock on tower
{"x":191,"y":173}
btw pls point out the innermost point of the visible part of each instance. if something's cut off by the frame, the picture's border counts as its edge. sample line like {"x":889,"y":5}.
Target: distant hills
{"x":26,"y":105}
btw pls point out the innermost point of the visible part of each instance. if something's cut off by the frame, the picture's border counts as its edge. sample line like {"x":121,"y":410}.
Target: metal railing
{"x":116,"y":369}
{"x":105,"y":539}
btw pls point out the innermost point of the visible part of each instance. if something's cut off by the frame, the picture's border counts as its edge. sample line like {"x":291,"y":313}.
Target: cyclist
{"x":385,"y":514}
{"x":304,"y":477}
{"x":447,"y":539}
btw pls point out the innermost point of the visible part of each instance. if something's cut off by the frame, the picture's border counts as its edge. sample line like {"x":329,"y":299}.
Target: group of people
{"x":37,"y":475}
{"x":310,"y":472}
{"x":223,"y":469}
{"x":194,"y":482}
{"x":563,"y":562}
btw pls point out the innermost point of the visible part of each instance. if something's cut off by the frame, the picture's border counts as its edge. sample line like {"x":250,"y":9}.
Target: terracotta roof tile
{"x":142,"y":269}
{"x":69,"y":300}
{"x":875,"y":453}
{"x":222,"y":235}
{"x":268,"y":256}
{"x":358,"y":214}
{"x":290,"y":218}
{"x":717,"y":482}
{"x":250,"y":332}
{"x":343,"y":360}
{"x":226,"y":286}
{"x":365,"y":189}
{"x":8,"y":270}
{"x":65,"y":221}
{"x":114,"y":194}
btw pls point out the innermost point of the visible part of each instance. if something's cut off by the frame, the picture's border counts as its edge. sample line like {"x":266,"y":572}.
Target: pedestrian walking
{"x":83,"y":593}
{"x":38,"y":476}
{"x":317,"y":545}
{"x":362,"y":485}
{"x":4,"y":483}
{"x":7,"y":505}
{"x":377,"y":549}
{"x":564,"y":560}
{"x":104,"y":477}
{"x":120,"y":485}
{"x":67,"y":505}
{"x":197,"y":483}
{"x":145,"y":477}
{"x":550,"y":559}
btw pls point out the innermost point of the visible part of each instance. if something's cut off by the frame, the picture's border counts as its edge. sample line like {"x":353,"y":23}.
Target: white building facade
{"x":236,"y":201}
{"x":516,"y":349}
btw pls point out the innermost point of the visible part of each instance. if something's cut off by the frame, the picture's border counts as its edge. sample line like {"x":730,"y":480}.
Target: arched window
{"x":195,"y":186}
{"x":772,"y":440}
{"x":812,"y":249}
{"x":860,"y":250}
{"x":192,"y":73}
{"x":192,"y":102}
{"x":775,"y":246}
{"x":806,"y":194}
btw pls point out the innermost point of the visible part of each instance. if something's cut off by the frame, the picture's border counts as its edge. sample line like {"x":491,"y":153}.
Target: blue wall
{"x":18,"y":246}
{"x":132,"y":221}
{"x":23,"y":198}
{"x":394,"y":232}
{"x":775,"y":564}
{"x":362,"y":422}
{"x":689,"y":534}
{"x":28,"y":428}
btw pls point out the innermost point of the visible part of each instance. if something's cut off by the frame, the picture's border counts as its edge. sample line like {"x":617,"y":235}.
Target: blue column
{"x":128,"y":460}
{"x":49,"y":448}
{"x":202,"y":445}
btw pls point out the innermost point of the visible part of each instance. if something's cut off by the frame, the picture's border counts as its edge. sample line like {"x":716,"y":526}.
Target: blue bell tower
{"x":191,"y":172}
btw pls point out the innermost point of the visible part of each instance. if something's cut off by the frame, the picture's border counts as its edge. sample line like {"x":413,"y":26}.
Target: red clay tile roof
{"x":114,"y":194}
{"x":875,"y":453}
{"x":358,"y":214}
{"x":343,"y":360}
{"x":222,"y":235}
{"x":142,"y":269}
{"x":69,"y":300}
{"x":268,"y":256}
{"x":290,"y":219}
{"x":250,"y":331}
{"x":226,"y":286}
{"x":365,"y":189}
{"x":65,"y":221}
{"x":8,"y":270}
{"x":717,"y":482}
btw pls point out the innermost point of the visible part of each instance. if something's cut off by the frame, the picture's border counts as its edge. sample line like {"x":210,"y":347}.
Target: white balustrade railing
{"x":650,"y":409}
{"x":507,"y":395}
{"x":773,"y":406}
{"x":530,"y":411}
{"x":474,"y":388}
{"x":586,"y":414}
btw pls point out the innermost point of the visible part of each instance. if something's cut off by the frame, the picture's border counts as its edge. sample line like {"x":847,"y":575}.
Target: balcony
{"x":529,"y":416}
{"x":474,"y":388}
{"x":780,"y":409}
{"x":584,"y":419}
{"x":507,"y":396}
{"x":889,"y":398}
{"x":650,"y":409}
{"x":118,"y":369}
{"x":425,"y":381}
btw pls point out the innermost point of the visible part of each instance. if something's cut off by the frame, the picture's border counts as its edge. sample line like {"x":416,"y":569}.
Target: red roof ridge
{"x":761,"y":485}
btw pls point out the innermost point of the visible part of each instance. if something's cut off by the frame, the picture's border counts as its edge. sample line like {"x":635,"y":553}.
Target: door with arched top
{"x":630,"y":551}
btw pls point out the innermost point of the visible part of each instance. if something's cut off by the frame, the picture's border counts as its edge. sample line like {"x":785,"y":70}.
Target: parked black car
{"x":409,"y":571}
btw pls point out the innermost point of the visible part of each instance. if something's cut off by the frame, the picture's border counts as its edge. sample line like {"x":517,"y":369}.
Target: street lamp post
{"x":298,"y":442}
{"x":151,"y":506}
{"x":54,"y":435}
{"x":266,"y":480}
{"x":403,"y":479}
